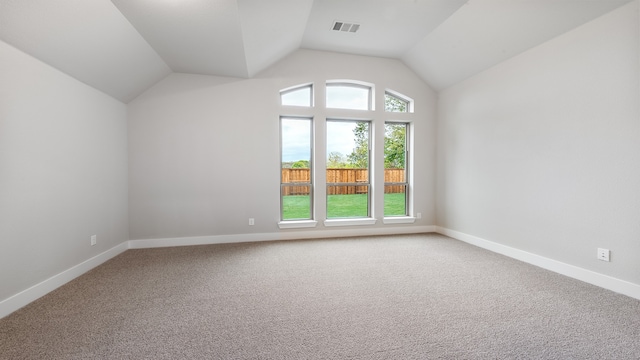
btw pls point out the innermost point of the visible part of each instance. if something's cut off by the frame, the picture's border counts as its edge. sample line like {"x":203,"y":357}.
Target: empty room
{"x":320,"y":179}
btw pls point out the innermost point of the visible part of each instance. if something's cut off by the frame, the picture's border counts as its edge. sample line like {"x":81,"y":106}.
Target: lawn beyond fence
{"x":340,"y":175}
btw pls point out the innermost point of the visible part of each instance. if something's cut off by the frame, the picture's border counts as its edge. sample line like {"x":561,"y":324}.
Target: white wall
{"x":204,"y":150}
{"x":63,"y":173}
{"x":542,"y":152}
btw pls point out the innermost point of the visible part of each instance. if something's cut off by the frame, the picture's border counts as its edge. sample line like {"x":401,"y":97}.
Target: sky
{"x":296,"y":136}
{"x":296,"y":139}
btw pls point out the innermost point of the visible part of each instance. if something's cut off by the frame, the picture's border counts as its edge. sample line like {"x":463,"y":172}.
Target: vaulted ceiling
{"x":122,"y":47}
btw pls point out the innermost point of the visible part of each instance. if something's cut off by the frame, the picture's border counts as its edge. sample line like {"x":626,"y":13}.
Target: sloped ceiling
{"x":486,"y":32}
{"x":122,"y":47}
{"x":89,"y":40}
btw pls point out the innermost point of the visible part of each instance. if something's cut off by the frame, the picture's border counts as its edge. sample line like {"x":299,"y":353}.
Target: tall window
{"x":396,"y":185}
{"x":348,"y":152}
{"x":349,"y":121}
{"x":296,"y":186}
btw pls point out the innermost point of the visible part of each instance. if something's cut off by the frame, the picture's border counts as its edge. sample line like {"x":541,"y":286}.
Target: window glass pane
{"x":296,"y":188}
{"x":296,"y":202}
{"x":395,"y":169}
{"x":347,"y":201}
{"x":395,"y":139}
{"x":340,"y":96}
{"x":297,"y":97}
{"x":395,"y":104}
{"x":296,"y":142}
{"x":347,"y":170}
{"x":395,"y":200}
{"x":348,"y":144}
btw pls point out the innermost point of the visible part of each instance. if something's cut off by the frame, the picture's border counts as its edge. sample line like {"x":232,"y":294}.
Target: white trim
{"x":297,"y":224}
{"x":399,"y":220}
{"x":24,"y":297}
{"x":588,"y":276}
{"x":284,"y":235}
{"x":350,"y":222}
{"x":15,"y":302}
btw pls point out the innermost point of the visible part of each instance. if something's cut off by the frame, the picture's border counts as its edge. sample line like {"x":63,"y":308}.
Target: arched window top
{"x":346,"y":94}
{"x":396,"y":102}
{"x":299,"y":95}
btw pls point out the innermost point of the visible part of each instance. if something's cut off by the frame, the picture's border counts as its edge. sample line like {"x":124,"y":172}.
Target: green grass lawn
{"x":341,"y":206}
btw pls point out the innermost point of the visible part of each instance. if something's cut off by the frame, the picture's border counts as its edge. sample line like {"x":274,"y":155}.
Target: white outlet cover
{"x":603,"y":254}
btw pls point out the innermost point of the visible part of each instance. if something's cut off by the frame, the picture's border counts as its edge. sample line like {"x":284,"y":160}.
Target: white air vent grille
{"x":345,"y":26}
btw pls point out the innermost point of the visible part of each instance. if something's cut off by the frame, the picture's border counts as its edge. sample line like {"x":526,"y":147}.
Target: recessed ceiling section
{"x":194,"y":36}
{"x":387,"y":28}
{"x":88,"y":40}
{"x":484,"y":33}
{"x":122,"y":47}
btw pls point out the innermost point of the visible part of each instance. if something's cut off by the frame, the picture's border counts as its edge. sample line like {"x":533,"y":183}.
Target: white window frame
{"x":402,"y":97}
{"x":298,"y":223}
{"x":407,"y":169}
{"x":319,"y":117}
{"x":367,"y":184}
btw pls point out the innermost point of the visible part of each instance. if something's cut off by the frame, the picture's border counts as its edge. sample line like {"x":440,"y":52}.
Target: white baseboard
{"x":588,"y":276}
{"x":282,"y":235}
{"x":24,"y":297}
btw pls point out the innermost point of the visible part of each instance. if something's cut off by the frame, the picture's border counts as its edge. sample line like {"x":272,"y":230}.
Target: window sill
{"x":350,"y":222}
{"x":399,"y":220}
{"x":297,"y":224}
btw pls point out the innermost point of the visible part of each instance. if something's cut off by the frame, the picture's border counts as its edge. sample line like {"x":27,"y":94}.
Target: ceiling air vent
{"x":345,"y":26}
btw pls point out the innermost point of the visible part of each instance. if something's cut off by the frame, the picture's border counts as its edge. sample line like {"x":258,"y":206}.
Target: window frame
{"x":356,"y":184}
{"x":377,"y":120}
{"x":407,"y":167}
{"x":409,"y":101}
{"x":310,"y":183}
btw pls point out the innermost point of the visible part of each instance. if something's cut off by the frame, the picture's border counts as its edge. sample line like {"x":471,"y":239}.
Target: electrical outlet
{"x":419,"y":215}
{"x":251,"y":222}
{"x":603,"y":254}
{"x":94,"y":239}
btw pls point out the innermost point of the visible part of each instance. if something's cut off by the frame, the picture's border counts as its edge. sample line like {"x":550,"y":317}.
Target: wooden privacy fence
{"x":293,"y":176}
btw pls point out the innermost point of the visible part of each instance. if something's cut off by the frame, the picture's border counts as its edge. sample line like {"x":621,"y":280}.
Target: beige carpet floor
{"x":421,"y":296}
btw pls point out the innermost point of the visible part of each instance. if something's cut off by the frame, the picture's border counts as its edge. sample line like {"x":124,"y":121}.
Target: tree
{"x":394,"y":146}
{"x":336,"y":160}
{"x":394,"y":104}
{"x":300,"y":164}
{"x":359,"y":158}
